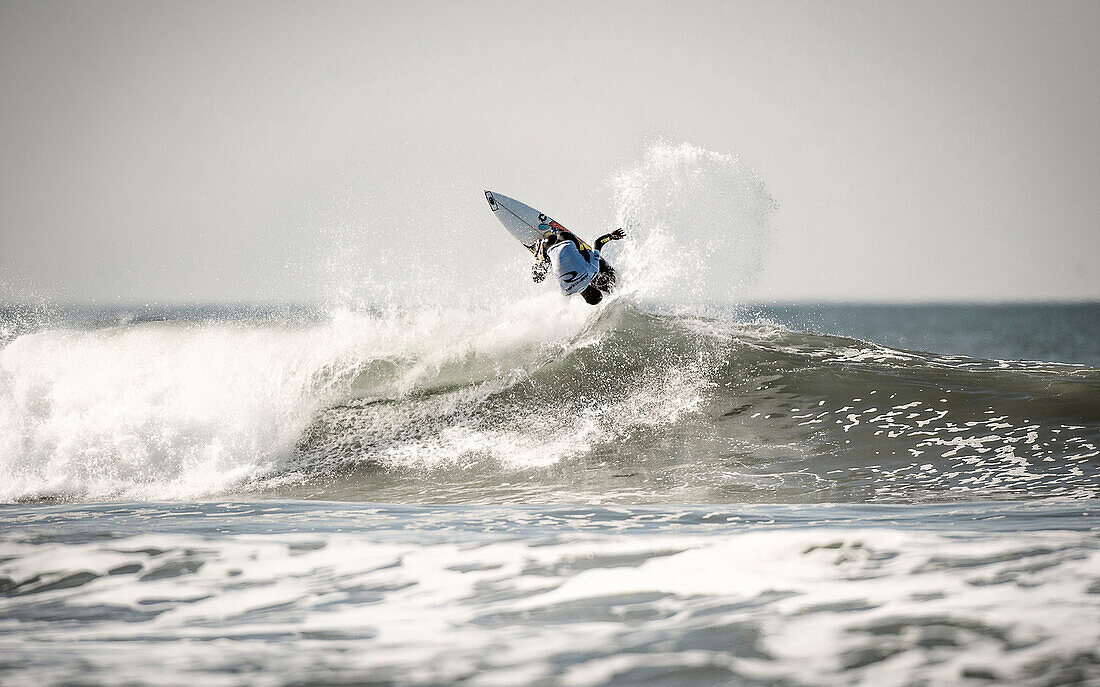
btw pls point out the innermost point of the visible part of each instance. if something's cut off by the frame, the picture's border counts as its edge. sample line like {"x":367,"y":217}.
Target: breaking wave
{"x":546,"y":401}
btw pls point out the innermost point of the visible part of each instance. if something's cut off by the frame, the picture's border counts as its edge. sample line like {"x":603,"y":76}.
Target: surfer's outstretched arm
{"x":613,"y":236}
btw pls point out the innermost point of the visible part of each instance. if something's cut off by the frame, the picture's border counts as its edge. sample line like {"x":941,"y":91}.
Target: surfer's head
{"x":592,"y":295}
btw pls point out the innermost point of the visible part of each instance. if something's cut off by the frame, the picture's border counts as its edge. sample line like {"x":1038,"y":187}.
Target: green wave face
{"x":640,"y":407}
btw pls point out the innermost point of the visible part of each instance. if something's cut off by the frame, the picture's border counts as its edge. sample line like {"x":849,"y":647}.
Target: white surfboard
{"x":524,"y":222}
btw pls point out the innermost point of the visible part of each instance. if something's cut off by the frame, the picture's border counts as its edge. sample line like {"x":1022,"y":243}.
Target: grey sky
{"x":224,"y":151}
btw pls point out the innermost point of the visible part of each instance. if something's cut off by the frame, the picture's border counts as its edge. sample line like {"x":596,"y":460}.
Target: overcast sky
{"x":224,"y":151}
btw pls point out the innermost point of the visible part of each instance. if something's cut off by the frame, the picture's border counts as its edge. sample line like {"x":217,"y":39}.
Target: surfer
{"x":579,"y":268}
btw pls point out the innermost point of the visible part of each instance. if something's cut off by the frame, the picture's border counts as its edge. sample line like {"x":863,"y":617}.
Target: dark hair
{"x":592,"y":295}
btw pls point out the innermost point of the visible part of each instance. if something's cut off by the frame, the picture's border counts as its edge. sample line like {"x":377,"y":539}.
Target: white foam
{"x":175,"y":410}
{"x":435,"y":610}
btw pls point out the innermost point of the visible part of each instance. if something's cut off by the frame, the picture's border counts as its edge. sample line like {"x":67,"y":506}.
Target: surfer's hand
{"x":617,"y":234}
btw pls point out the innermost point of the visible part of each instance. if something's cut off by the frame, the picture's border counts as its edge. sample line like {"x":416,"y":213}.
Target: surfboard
{"x":524,"y":222}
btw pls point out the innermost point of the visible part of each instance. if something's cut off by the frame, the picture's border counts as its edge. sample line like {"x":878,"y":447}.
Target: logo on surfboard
{"x":548,"y":226}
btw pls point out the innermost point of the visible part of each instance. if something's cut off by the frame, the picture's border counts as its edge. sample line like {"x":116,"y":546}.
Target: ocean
{"x":550,"y":494}
{"x":445,"y":477}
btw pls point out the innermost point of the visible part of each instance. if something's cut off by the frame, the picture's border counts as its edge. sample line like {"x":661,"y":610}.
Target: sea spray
{"x":699,"y":222}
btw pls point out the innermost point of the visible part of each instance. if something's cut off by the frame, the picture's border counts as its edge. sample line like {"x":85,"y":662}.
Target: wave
{"x":530,"y":397}
{"x":544,"y":400}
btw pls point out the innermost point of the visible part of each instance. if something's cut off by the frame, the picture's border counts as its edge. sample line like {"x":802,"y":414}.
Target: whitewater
{"x":676,"y":487}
